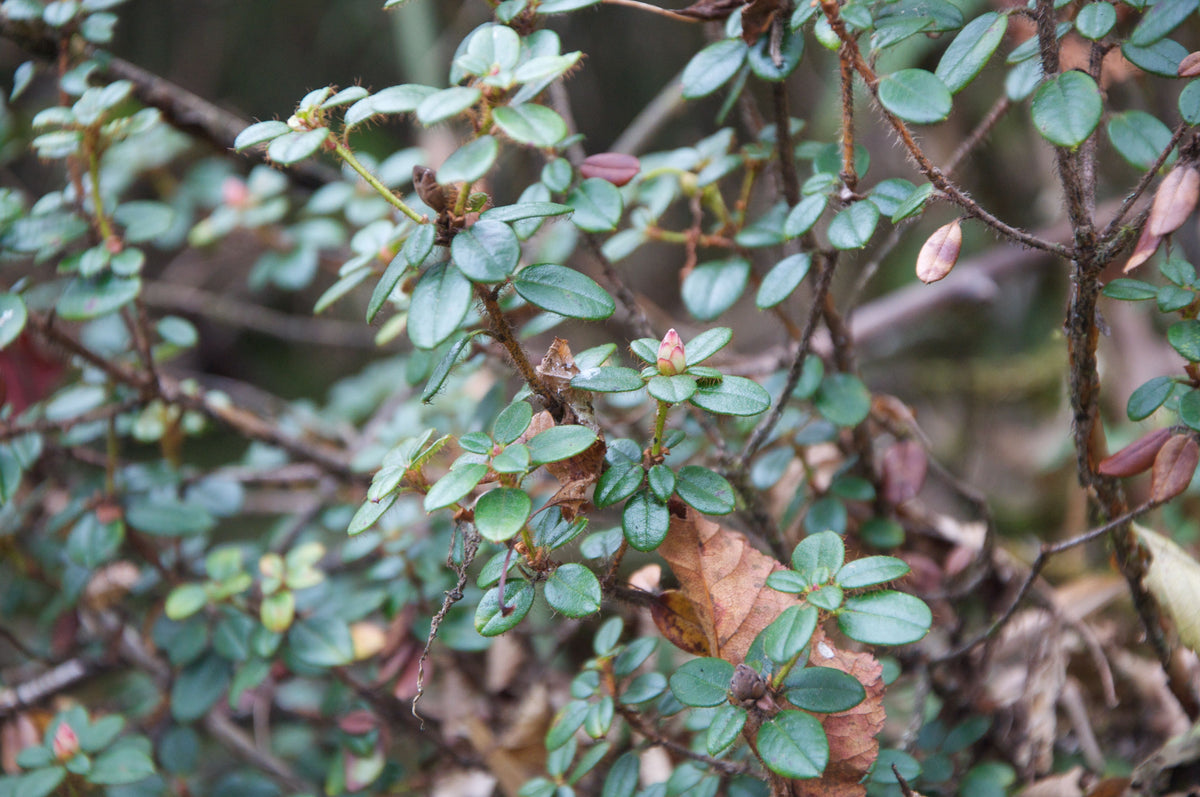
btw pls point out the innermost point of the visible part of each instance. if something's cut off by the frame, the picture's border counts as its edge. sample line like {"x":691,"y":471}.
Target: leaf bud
{"x":671,"y":358}
{"x":66,"y":743}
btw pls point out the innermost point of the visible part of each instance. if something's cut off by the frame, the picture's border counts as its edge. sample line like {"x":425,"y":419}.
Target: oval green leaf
{"x":12,"y":317}
{"x":487,"y":252}
{"x":735,"y":395}
{"x":618,"y":482}
{"x":788,"y":633}
{"x":564,"y":291}
{"x":824,"y":690}
{"x":1139,"y":137}
{"x":712,"y":67}
{"x":885,"y":618}
{"x":852,"y":227}
{"x":609,"y":379}
{"x":871,"y":570}
{"x":573,"y":590}
{"x":442,"y":105}
{"x":843,"y":399}
{"x":469,"y":162}
{"x":704,"y":490}
{"x":501,"y":513}
{"x":518,"y":598}
{"x":645,"y":521}
{"x":916,"y":95}
{"x":783,"y":279}
{"x":597,"y":204}
{"x":793,"y":744}
{"x":440,"y":302}
{"x":531,"y":124}
{"x":702,"y":682}
{"x":970,"y":50}
{"x":454,"y":486}
{"x":713,"y":287}
{"x":1067,"y":108}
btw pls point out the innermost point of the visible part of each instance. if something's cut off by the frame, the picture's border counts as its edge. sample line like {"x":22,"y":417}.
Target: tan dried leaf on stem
{"x":1173,"y":467}
{"x":1174,"y":201}
{"x":940,"y":252}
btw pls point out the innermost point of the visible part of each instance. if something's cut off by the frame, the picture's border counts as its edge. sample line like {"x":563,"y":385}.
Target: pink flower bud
{"x":66,"y":743}
{"x":671,"y":359}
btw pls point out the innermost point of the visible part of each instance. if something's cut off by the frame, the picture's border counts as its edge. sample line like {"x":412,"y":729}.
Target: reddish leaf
{"x":1175,"y":200}
{"x":1136,"y":457}
{"x":711,"y":9}
{"x":904,"y":467}
{"x":853,"y":746}
{"x":1190,"y":65}
{"x":615,"y":167}
{"x":724,"y":578}
{"x":1143,"y":250}
{"x":940,"y":252}
{"x":356,"y":723}
{"x":1173,"y":467}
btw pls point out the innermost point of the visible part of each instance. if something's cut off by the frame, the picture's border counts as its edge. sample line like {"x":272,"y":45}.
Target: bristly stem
{"x":660,"y":423}
{"x":347,"y":155}
{"x":663,"y":12}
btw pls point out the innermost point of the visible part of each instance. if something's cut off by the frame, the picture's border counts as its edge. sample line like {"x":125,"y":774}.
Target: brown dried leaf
{"x":940,"y":252}
{"x":724,"y":578}
{"x":711,"y":9}
{"x":1064,"y":784}
{"x":905,"y":464}
{"x":1143,"y":250}
{"x":677,"y":620}
{"x":853,"y":746}
{"x":1190,"y":65}
{"x":1136,"y":457}
{"x":1173,"y":467}
{"x":1173,"y":578}
{"x":757,"y":18}
{"x":1174,"y":201}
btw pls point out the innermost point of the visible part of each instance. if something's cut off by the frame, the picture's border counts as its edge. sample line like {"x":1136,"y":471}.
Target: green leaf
{"x":1139,"y":137}
{"x":525,"y":210}
{"x":793,"y":744}
{"x":101,"y":733}
{"x":1178,"y":271}
{"x":702,"y":682}
{"x":441,"y":371}
{"x":622,"y":779}
{"x":164,"y":517}
{"x":788,"y":633}
{"x":565,"y":291}
{"x":789,"y":49}
{"x":706,"y":344}
{"x":88,"y":298}
{"x":801,"y":218}
{"x":1067,"y":108}
{"x":143,"y":220}
{"x":871,"y":570}
{"x":1189,"y":103}
{"x":518,"y":598}
{"x":712,"y":67}
{"x":569,"y":719}
{"x":1172,"y":298}
{"x":573,"y":590}
{"x":823,"y":689}
{"x":714,"y":286}
{"x":531,"y":124}
{"x":563,"y":6}
{"x":444,"y":104}
{"x":704,"y":490}
{"x":512,"y":422}
{"x":440,"y":302}
{"x":724,"y":728}
{"x":1095,"y":20}
{"x":293,"y":147}
{"x":917,"y":96}
{"x":788,"y":581}
{"x":828,"y":597}
{"x":469,"y":162}
{"x":597,"y":204}
{"x":487,"y":251}
{"x":1162,"y":18}
{"x":913,"y":204}
{"x":1149,"y":397}
{"x":454,"y":486}
{"x":12,"y":317}
{"x":885,"y":618}
{"x":560,"y":442}
{"x":645,"y":521}
{"x":843,"y":399}
{"x":617,"y":483}
{"x":819,"y":556}
{"x":852,"y":227}
{"x":120,"y":765}
{"x":185,"y":600}
{"x":39,"y":783}
{"x":1130,"y":290}
{"x":200,"y":685}
{"x":260,"y":133}
{"x":513,"y":459}
{"x":671,"y":389}
{"x":1184,"y":337}
{"x":783,"y":279}
{"x":608,"y":379}
{"x":970,"y":50}
{"x":391,"y":100}
{"x":735,"y":395}
{"x":661,"y":480}
{"x":321,"y":641}
{"x":501,"y":513}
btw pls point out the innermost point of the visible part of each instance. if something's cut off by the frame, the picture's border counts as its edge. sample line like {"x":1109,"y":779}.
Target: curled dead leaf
{"x":905,"y":464}
{"x":1173,"y":467}
{"x":940,"y":252}
{"x":1190,"y":65}
{"x":724,"y":579}
{"x":1175,"y":200}
{"x":1136,"y":457}
{"x":853,"y":746}
{"x":1173,"y":578}
{"x":676,"y":618}
{"x":1143,"y":250}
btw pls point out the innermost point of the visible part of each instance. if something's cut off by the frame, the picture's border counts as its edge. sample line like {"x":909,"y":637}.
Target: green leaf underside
{"x":735,"y":395}
{"x":916,"y":95}
{"x":608,"y":379}
{"x":971,"y":49}
{"x":440,"y":302}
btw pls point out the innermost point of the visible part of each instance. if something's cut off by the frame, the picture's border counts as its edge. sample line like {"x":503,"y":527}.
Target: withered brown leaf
{"x":724,"y":578}
{"x":1175,"y":200}
{"x":940,"y":252}
{"x":1173,"y":467}
{"x":1135,"y":457}
{"x":905,"y":465}
{"x":853,"y":746}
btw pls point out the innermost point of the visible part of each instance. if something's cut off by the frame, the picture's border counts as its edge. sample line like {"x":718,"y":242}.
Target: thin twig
{"x":651,"y":9}
{"x":1112,"y":229}
{"x":976,"y":136}
{"x":641,"y":726}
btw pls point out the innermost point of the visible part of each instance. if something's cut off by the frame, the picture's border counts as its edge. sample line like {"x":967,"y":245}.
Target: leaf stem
{"x":347,"y":155}
{"x":660,"y":423}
